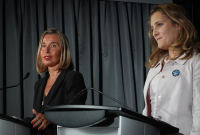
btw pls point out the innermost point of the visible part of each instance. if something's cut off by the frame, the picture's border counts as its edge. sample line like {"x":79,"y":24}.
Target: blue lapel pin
{"x":176,"y":72}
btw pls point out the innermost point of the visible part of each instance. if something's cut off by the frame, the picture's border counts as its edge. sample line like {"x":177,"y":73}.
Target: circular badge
{"x":176,"y":72}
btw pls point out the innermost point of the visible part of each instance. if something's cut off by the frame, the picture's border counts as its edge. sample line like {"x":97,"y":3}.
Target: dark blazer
{"x":67,"y":85}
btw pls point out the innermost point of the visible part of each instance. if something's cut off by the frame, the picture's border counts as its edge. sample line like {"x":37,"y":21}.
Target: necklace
{"x":43,"y":100}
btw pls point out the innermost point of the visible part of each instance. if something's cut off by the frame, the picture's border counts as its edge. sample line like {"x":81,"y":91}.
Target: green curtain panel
{"x":108,"y":42}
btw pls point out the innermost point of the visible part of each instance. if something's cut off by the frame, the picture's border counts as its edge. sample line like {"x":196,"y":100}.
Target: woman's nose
{"x":47,"y":49}
{"x":155,"y":32}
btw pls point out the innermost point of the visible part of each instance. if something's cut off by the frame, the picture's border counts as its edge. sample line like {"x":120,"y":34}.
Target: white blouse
{"x":175,"y":94}
{"x":153,"y":90}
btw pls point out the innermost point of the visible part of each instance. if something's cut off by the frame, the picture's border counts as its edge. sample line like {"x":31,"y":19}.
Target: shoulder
{"x":195,"y":59}
{"x":72,"y":78}
{"x":193,"y":64}
{"x":72,"y":75}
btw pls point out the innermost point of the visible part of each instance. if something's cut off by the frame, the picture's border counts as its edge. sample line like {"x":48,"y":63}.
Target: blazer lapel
{"x":40,"y":93}
{"x":56,"y":85}
{"x":152,"y":73}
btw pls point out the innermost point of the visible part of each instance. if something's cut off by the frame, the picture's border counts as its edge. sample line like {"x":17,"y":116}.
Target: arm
{"x":196,"y":100}
{"x":76,"y":85}
{"x":38,"y":119}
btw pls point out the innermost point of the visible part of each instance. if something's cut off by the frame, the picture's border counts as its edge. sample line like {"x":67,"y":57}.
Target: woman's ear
{"x":178,"y":27}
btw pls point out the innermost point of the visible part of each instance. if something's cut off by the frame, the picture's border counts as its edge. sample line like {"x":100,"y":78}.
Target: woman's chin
{"x":46,"y":64}
{"x":163,"y":47}
{"x":51,"y":65}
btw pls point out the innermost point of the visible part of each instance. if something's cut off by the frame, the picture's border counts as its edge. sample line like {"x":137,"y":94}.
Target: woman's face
{"x":164,"y":31}
{"x":50,"y":50}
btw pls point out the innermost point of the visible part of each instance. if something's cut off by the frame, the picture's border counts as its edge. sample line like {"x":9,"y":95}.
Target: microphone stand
{"x":22,"y":93}
{"x":26,"y":76}
{"x":109,"y":98}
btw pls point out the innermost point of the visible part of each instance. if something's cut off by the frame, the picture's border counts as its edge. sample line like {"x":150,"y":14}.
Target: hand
{"x":39,"y":120}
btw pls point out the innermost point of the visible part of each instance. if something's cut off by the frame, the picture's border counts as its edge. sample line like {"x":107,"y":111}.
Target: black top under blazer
{"x":68,"y":84}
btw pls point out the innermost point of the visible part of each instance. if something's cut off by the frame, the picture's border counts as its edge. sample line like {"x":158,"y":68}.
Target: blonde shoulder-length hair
{"x":187,"y":41}
{"x":65,"y":59}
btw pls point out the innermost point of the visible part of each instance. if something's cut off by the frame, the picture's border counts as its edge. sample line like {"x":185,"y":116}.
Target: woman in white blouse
{"x":172,"y":88}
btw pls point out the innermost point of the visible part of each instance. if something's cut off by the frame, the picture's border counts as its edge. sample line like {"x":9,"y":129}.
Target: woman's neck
{"x":173,"y":53}
{"x":53,"y":73}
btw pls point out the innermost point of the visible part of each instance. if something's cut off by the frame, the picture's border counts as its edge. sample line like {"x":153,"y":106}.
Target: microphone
{"x":82,"y":91}
{"x":26,"y":76}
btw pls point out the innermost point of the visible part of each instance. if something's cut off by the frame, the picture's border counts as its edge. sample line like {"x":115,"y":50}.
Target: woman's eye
{"x":160,"y":24}
{"x":42,"y":45}
{"x":53,"y":46}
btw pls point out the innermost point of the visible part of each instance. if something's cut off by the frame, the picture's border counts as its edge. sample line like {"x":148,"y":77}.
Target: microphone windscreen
{"x":26,"y":75}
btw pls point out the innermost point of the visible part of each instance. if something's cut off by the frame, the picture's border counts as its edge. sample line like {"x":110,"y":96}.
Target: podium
{"x":104,"y":120}
{"x":13,"y":126}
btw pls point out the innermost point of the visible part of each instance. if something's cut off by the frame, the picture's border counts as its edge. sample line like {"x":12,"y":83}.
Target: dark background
{"x":108,"y":42}
{"x":192,"y":7}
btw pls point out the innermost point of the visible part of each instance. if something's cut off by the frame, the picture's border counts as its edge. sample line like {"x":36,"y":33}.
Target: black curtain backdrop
{"x":108,"y":42}
{"x":192,"y":8}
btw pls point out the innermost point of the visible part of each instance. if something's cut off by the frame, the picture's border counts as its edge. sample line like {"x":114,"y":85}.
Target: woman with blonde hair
{"x":172,"y":87}
{"x":61,"y":84}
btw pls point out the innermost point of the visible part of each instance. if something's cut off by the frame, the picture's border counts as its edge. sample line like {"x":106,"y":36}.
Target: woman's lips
{"x":47,"y":57}
{"x":158,"y":38}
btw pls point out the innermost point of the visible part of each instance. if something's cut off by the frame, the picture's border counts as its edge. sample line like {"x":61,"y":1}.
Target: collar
{"x":178,"y":60}
{"x":160,"y":62}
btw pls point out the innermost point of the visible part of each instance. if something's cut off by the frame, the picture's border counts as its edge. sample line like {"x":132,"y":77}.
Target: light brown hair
{"x":65,"y":59}
{"x":187,"y":41}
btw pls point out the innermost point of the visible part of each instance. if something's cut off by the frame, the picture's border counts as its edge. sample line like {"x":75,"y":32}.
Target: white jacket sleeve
{"x":196,"y":99}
